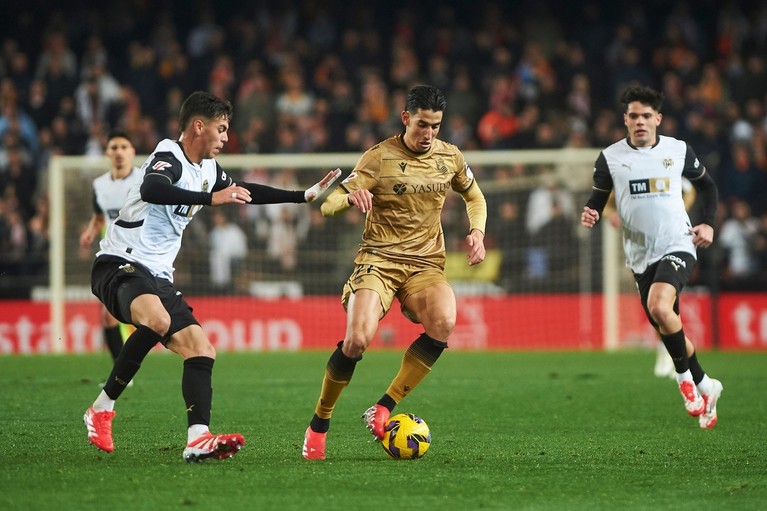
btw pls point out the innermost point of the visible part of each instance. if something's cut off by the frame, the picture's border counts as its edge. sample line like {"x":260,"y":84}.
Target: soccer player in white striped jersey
{"x":645,"y":171}
{"x":133,"y":272}
{"x":109,"y":192}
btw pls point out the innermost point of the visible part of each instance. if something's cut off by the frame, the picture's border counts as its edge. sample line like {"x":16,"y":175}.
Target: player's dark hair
{"x":119,"y":134}
{"x":425,"y":97}
{"x":643,"y":94}
{"x":203,"y":104}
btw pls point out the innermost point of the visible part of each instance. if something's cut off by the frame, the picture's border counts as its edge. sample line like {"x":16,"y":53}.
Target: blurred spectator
{"x":56,"y":55}
{"x":511,"y":239}
{"x":499,"y":124}
{"x":12,"y":118}
{"x":737,"y":237}
{"x":739,"y":175}
{"x":254,"y":99}
{"x":229,"y":247}
{"x":462,"y":97}
{"x":97,"y":97}
{"x":294,"y":100}
{"x":39,"y":106}
{"x":542,"y":201}
{"x":18,"y":181}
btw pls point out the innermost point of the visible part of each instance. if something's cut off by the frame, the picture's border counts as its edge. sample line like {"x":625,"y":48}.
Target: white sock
{"x":685,"y":376}
{"x":195,"y":431}
{"x":104,"y":403}
{"x":704,"y":387}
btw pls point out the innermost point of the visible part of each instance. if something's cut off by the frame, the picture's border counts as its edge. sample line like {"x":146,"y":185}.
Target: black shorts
{"x":675,"y":269}
{"x":117,"y":282}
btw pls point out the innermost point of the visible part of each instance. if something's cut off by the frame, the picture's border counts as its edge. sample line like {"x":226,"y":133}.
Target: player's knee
{"x":355,"y":345}
{"x":441,"y":327}
{"x":159,"y":323}
{"x":659,"y":312}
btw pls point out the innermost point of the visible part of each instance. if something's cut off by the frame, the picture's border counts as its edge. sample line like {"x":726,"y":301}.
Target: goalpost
{"x":595,"y":265}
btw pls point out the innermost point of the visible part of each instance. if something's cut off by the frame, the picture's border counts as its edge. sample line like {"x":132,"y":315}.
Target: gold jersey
{"x":409,"y":191}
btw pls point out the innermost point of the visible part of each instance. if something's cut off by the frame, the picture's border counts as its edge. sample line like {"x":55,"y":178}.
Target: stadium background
{"x":528,"y":85}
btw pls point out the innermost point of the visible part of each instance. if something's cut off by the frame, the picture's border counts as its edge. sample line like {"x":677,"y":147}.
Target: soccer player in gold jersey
{"x":400,"y":185}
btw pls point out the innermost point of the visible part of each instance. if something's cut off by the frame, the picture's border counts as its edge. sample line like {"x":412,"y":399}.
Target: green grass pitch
{"x":554,"y":431}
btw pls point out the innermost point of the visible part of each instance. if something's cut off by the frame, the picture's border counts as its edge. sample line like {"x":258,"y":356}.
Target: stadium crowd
{"x":331,"y":76}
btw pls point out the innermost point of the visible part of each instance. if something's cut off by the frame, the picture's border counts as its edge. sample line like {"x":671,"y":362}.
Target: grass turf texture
{"x":509,"y":431}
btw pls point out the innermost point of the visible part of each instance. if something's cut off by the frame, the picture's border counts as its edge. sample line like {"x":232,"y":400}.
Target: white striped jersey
{"x":109,"y":194}
{"x":150,"y":234}
{"x":648,"y":196}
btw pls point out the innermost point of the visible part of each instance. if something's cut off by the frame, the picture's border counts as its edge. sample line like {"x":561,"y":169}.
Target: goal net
{"x":269,"y":277}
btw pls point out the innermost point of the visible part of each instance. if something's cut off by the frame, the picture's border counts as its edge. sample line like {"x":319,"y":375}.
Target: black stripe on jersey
{"x":129,"y":225}
{"x":222,"y":180}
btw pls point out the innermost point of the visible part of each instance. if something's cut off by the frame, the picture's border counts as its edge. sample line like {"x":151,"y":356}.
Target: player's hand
{"x":86,"y":238}
{"x":702,"y":235}
{"x":589,"y":217}
{"x":232,"y":194}
{"x":361,"y":199}
{"x":476,"y":242}
{"x":315,"y":190}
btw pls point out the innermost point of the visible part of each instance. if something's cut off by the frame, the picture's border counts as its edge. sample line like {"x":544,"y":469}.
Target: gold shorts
{"x":390,"y":279}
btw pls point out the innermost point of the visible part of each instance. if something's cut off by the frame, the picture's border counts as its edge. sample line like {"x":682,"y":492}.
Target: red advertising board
{"x":514,"y":322}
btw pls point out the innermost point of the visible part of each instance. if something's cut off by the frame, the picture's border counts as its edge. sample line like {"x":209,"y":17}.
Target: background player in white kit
{"x":645,"y":170}
{"x":133,"y":272}
{"x":110,"y":191}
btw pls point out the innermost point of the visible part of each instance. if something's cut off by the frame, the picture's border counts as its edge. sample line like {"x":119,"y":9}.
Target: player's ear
{"x":405,"y":115}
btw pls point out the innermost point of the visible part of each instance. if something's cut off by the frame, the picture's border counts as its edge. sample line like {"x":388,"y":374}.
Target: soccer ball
{"x":406,"y":436}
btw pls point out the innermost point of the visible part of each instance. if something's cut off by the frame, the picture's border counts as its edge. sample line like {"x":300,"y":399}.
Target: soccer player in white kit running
{"x":645,"y":170}
{"x":133,"y":272}
{"x":110,"y":191}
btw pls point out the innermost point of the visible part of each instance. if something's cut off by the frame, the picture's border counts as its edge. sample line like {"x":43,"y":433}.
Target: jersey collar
{"x":632,"y":146}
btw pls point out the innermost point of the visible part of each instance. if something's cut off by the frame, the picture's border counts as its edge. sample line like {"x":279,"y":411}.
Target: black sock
{"x":677,"y":348}
{"x":129,"y":360}
{"x":697,"y":371}
{"x":197,"y":390}
{"x":319,"y":425}
{"x":114,"y":340}
{"x":387,"y":401}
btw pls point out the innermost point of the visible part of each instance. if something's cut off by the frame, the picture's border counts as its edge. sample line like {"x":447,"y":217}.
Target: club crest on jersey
{"x":441,"y":167}
{"x":205,"y":185}
{"x":668,"y":163}
{"x":159,"y":165}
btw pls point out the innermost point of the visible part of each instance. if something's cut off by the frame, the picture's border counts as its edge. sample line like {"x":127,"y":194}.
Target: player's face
{"x":421,"y":129}
{"x":214,"y":136}
{"x":642,"y":123}
{"x":121,"y":152}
